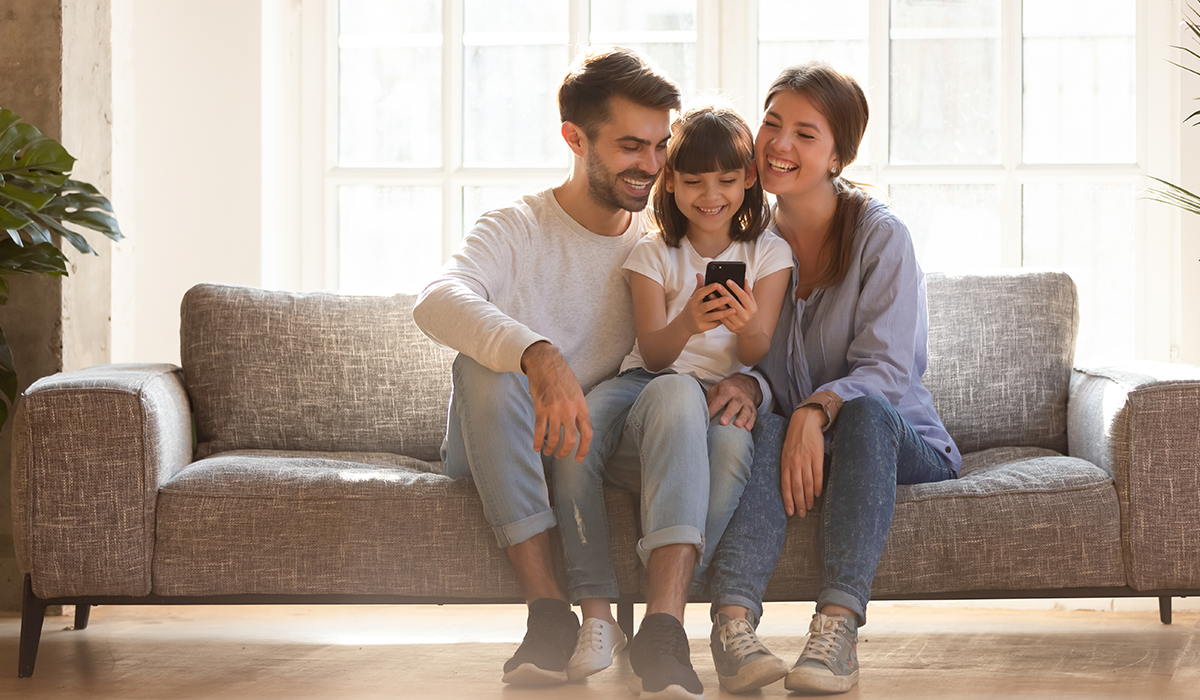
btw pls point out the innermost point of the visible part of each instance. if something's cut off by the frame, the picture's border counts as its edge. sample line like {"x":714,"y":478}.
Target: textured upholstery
{"x":285,"y":371}
{"x":1142,"y":424}
{"x":1000,"y":354}
{"x":89,"y":452}
{"x":281,"y":523}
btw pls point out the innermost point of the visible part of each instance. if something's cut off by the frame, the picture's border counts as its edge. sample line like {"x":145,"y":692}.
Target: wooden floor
{"x":262,"y":653}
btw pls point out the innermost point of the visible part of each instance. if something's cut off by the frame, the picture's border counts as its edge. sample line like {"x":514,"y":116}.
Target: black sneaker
{"x":549,"y":640}
{"x":662,"y":661}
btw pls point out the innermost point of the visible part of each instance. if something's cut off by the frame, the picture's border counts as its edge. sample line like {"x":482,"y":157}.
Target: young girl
{"x":708,"y":206}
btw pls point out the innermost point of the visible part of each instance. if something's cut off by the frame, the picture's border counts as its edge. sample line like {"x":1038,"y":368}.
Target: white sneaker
{"x":597,"y":642}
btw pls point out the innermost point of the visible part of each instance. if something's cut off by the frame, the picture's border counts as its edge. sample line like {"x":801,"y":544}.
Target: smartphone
{"x":723,"y":271}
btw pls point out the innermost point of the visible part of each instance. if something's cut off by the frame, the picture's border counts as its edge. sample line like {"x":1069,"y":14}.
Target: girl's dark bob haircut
{"x":710,"y":139}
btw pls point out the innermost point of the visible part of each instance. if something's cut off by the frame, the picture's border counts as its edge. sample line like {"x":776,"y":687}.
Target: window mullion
{"x":1011,"y":145}
{"x":452,"y":117}
{"x":878,"y":89}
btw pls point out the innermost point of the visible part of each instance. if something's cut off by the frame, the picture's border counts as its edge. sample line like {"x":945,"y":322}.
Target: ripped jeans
{"x":652,"y":436}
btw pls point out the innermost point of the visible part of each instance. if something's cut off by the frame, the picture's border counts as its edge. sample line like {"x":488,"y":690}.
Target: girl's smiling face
{"x":710,"y":200}
{"x":794,"y":147}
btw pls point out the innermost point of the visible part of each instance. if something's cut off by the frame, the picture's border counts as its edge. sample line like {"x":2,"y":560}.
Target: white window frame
{"x":727,"y":57}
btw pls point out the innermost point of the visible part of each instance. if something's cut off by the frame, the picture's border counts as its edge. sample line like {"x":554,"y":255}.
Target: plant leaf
{"x":42,"y":258}
{"x":1175,"y":196}
{"x":27,"y":154}
{"x":38,"y":233}
{"x":3,"y":292}
{"x":7,"y":119}
{"x":12,"y":219}
{"x":32,"y":201}
{"x":73,"y":237}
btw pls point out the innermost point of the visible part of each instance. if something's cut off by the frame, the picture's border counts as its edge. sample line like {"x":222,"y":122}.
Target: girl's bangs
{"x":707,"y":143}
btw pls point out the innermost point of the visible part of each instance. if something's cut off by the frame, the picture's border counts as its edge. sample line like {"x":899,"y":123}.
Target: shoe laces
{"x":666,"y":639}
{"x":739,"y":635}
{"x":591,"y":635}
{"x":825,"y":637}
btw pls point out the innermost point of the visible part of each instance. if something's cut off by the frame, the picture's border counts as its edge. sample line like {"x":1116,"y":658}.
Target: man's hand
{"x":739,"y":396}
{"x":560,"y":413}
{"x":802,"y":466}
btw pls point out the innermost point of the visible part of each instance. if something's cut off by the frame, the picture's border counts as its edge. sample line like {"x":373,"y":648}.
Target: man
{"x":539,"y":312}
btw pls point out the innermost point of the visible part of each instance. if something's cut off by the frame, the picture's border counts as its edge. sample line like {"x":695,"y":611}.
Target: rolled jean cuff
{"x":523,"y":529}
{"x":592,"y":591}
{"x":836,"y":596}
{"x":676,"y":534}
{"x":754,"y":609}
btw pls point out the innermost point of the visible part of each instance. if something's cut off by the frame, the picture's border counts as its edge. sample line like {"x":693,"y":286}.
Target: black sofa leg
{"x":1164,"y":609}
{"x":33,"y":613}
{"x":625,"y":618}
{"x":82,"y":614}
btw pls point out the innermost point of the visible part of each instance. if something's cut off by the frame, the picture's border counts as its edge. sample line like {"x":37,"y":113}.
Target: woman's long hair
{"x":710,"y":139}
{"x":842,"y":102}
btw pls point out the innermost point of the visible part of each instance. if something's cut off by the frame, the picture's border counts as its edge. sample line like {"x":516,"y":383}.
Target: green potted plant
{"x":40,"y":205}
{"x":1174,"y":194}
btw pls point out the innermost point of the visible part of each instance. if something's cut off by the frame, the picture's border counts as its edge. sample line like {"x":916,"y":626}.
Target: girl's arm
{"x":661,"y":342}
{"x":755,"y":313}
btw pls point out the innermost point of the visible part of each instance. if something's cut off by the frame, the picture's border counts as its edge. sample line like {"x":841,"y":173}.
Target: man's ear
{"x":751,"y":174}
{"x":575,"y":138}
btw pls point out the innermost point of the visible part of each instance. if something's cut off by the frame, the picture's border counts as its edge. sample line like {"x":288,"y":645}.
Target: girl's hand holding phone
{"x":744,"y":319}
{"x":700,"y":316}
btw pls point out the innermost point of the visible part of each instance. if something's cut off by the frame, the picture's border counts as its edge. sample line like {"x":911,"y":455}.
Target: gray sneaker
{"x":829,"y":662}
{"x":742,"y":662}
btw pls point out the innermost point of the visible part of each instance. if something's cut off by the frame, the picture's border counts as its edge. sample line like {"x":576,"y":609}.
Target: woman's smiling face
{"x":794,"y":147}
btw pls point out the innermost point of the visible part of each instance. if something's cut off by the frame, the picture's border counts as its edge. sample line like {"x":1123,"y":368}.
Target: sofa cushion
{"x":286,"y":371}
{"x":1017,"y":519}
{"x":290,"y":523}
{"x":1000,"y":353}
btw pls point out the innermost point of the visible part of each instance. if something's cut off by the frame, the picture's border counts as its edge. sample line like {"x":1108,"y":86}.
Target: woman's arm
{"x":660,"y":342}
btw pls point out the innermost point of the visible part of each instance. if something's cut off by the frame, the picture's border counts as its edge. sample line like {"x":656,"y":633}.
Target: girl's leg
{"x":872,"y":450}
{"x":730,"y":451}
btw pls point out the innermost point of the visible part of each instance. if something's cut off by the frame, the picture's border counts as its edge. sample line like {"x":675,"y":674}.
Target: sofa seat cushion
{"x":1019,"y":518}
{"x":267,"y":522}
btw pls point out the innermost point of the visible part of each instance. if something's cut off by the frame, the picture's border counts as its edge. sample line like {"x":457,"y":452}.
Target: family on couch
{"x":591,"y":347}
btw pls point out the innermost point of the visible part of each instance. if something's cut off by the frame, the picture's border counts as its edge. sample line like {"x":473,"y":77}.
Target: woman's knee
{"x":867,"y":413}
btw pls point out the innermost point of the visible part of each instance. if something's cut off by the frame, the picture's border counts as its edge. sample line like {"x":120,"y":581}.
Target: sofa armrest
{"x":1141,"y":423}
{"x":90,"y":450}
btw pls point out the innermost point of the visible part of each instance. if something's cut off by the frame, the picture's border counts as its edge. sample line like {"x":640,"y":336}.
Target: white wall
{"x":193,"y":196}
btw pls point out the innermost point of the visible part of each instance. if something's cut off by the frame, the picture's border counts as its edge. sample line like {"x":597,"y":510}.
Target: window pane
{"x":664,"y":30}
{"x":945,"y":82}
{"x":797,"y":31}
{"x":509,"y":104}
{"x":953,"y":227}
{"x":389,"y":238}
{"x":390,"y":83}
{"x":1080,"y":81}
{"x":1088,"y":231}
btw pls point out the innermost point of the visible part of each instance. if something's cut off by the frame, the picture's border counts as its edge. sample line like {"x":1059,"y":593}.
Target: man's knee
{"x":479,"y":386}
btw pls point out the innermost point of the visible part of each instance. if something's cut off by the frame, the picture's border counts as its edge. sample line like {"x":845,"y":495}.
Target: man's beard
{"x":605,"y":190}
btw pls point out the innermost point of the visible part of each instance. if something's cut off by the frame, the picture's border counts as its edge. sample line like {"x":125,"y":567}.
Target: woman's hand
{"x":802,"y":467}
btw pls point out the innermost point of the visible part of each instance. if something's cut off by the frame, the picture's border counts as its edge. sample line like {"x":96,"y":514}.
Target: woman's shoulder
{"x":879,"y":228}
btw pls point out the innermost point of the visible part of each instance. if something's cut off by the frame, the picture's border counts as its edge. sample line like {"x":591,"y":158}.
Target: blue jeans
{"x":652,"y":436}
{"x":872,"y":449}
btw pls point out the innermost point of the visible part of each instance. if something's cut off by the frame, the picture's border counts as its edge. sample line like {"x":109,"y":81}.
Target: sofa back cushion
{"x":1000,"y":353}
{"x":317,"y":372}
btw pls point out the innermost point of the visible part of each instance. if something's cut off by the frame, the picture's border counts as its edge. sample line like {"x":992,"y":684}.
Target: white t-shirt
{"x":709,"y":356}
{"x":530,"y":272}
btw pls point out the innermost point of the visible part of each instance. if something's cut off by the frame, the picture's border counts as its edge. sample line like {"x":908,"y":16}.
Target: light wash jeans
{"x":489,"y":438}
{"x":652,"y":436}
{"x":871,"y":451}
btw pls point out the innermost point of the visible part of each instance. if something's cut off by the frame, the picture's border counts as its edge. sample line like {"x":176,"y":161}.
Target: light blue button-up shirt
{"x":865,"y":336}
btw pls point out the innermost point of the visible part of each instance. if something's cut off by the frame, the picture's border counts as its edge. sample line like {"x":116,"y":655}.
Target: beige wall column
{"x":52,"y":323}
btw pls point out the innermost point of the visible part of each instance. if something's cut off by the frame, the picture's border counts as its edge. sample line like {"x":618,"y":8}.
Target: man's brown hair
{"x":710,"y":139}
{"x":599,"y":74}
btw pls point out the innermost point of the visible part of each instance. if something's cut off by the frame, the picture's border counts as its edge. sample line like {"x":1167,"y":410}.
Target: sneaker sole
{"x":755,"y":674}
{"x":671,"y":692}
{"x":818,"y":682}
{"x":528,"y":674}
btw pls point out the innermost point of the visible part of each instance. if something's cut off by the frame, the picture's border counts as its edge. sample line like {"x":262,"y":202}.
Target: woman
{"x":845,"y":365}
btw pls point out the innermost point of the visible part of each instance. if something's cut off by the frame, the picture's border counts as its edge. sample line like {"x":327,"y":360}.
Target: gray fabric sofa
{"x":294,"y":458}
